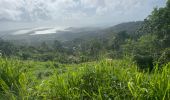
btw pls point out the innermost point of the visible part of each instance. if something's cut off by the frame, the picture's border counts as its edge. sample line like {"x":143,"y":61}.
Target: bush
{"x":144,"y":62}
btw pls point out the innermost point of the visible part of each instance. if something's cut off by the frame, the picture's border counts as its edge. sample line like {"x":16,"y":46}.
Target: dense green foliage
{"x":107,"y":79}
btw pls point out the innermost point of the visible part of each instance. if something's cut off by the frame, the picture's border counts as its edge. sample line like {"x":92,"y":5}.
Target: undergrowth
{"x":102,"y":80}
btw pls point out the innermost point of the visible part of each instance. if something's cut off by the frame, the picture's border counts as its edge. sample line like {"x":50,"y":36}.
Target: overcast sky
{"x":77,"y":12}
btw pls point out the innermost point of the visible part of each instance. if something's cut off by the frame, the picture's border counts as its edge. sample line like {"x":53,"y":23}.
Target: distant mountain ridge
{"x":68,"y":34}
{"x":129,"y":27}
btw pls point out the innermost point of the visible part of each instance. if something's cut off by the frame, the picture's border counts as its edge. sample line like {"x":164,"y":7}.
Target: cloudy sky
{"x":77,"y":12}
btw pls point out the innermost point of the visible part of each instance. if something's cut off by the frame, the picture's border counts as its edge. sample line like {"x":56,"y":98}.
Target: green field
{"x":102,"y":80}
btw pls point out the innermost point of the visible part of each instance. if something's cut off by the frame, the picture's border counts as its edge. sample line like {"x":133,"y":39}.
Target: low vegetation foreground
{"x":102,"y":80}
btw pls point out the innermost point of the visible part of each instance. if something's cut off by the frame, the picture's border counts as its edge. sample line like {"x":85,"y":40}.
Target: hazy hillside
{"x":129,"y":27}
{"x":38,"y":35}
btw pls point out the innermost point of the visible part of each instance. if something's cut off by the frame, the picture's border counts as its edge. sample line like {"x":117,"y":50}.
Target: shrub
{"x":144,"y":62}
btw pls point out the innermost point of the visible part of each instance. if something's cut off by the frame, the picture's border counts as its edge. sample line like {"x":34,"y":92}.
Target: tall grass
{"x":103,"y":80}
{"x":13,"y":81}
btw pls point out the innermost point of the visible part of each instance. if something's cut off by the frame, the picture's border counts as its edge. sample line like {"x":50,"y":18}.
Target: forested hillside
{"x":78,"y":47}
{"x":127,"y":61}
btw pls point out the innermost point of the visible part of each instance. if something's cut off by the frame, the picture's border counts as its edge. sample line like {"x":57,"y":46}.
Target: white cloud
{"x":9,"y":9}
{"x":75,"y":10}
